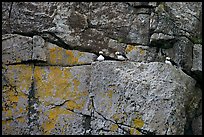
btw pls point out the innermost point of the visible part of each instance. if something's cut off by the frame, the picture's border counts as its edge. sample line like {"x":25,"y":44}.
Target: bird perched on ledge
{"x":170,"y":61}
{"x":100,"y":57}
{"x":120,"y":56}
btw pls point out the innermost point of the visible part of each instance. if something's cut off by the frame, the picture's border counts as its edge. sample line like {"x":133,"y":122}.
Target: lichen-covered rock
{"x":139,"y":95}
{"x":53,"y":85}
{"x":59,"y":56}
{"x":17,"y":49}
{"x":61,"y":93}
{"x":141,"y":53}
{"x":44,"y":100}
{"x":16,"y":85}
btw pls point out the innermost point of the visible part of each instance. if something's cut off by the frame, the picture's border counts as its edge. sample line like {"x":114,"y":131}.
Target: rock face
{"x":197,"y":125}
{"x":53,"y":85}
{"x":139,"y":95}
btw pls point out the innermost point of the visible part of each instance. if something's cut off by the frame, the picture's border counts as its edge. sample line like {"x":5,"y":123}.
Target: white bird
{"x":100,"y":57}
{"x":167,"y":61}
{"x":120,"y":56}
{"x":170,"y":61}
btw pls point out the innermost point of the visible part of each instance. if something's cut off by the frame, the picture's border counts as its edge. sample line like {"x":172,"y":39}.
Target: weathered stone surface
{"x":82,"y":26}
{"x":39,"y":49}
{"x":148,"y":96}
{"x":197,"y":58}
{"x":59,"y":56}
{"x":51,"y":105}
{"x":16,"y":85}
{"x":181,"y":53}
{"x":27,"y":16}
{"x":16,"y":48}
{"x":141,"y":53}
{"x":180,"y":17}
{"x":138,"y":96}
{"x":197,"y":125}
{"x":61,"y":93}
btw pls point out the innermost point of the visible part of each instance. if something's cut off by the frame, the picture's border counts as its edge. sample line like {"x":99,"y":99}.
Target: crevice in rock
{"x":145,"y":132}
{"x":32,"y":102}
{"x":9,"y":19}
{"x":12,"y":118}
{"x":87,"y":124}
{"x":142,"y":5}
{"x":52,"y":38}
{"x":44,"y":63}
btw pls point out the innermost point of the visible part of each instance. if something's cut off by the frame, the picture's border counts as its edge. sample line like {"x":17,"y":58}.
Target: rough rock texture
{"x":197,"y":125}
{"x":52,"y":83}
{"x":140,"y":95}
{"x":17,"y":48}
{"x":197,"y":61}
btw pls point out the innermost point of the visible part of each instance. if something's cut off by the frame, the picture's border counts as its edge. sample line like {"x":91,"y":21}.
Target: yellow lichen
{"x":76,"y":84}
{"x":48,"y":126}
{"x":137,"y":123}
{"x":114,"y":127}
{"x":142,"y":51}
{"x":9,"y":113}
{"x":71,"y":58}
{"x":21,"y":119}
{"x":129,"y":48}
{"x":73,"y":105}
{"x":110,"y":93}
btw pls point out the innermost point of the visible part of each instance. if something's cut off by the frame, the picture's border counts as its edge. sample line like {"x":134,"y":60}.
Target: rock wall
{"x":53,"y":84}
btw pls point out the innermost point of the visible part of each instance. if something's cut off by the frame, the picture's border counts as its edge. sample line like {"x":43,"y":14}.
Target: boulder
{"x":128,"y":96}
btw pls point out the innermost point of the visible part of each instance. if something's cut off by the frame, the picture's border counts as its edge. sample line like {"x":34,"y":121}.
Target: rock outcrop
{"x":52,"y":83}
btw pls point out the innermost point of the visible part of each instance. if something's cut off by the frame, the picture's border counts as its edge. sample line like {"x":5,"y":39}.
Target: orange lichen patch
{"x":48,"y":126}
{"x":132,"y":131}
{"x":80,"y":54}
{"x":137,"y":123}
{"x":71,"y":58}
{"x":58,"y":82}
{"x":11,"y":92}
{"x":53,"y":115}
{"x":55,"y":55}
{"x":76,"y":84}
{"x":20,"y":76}
{"x":129,"y":48}
{"x":114,"y":127}
{"x":110,"y":93}
{"x":8,"y":113}
{"x":73,"y":105}
{"x":55,"y":84}
{"x":21,"y":119}
{"x":142,"y":51}
{"x":6,"y":122}
{"x":116,"y":117}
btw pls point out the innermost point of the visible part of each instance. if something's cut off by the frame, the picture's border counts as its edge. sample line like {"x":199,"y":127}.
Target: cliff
{"x":52,"y":82}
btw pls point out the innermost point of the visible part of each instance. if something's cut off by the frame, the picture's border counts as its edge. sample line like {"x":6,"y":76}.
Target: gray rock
{"x":181,"y":53}
{"x":197,"y":58}
{"x":136,"y":95}
{"x":39,"y":49}
{"x":197,"y":125}
{"x":16,"y":48}
{"x":27,"y":16}
{"x":178,"y":16}
{"x":141,"y":53}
